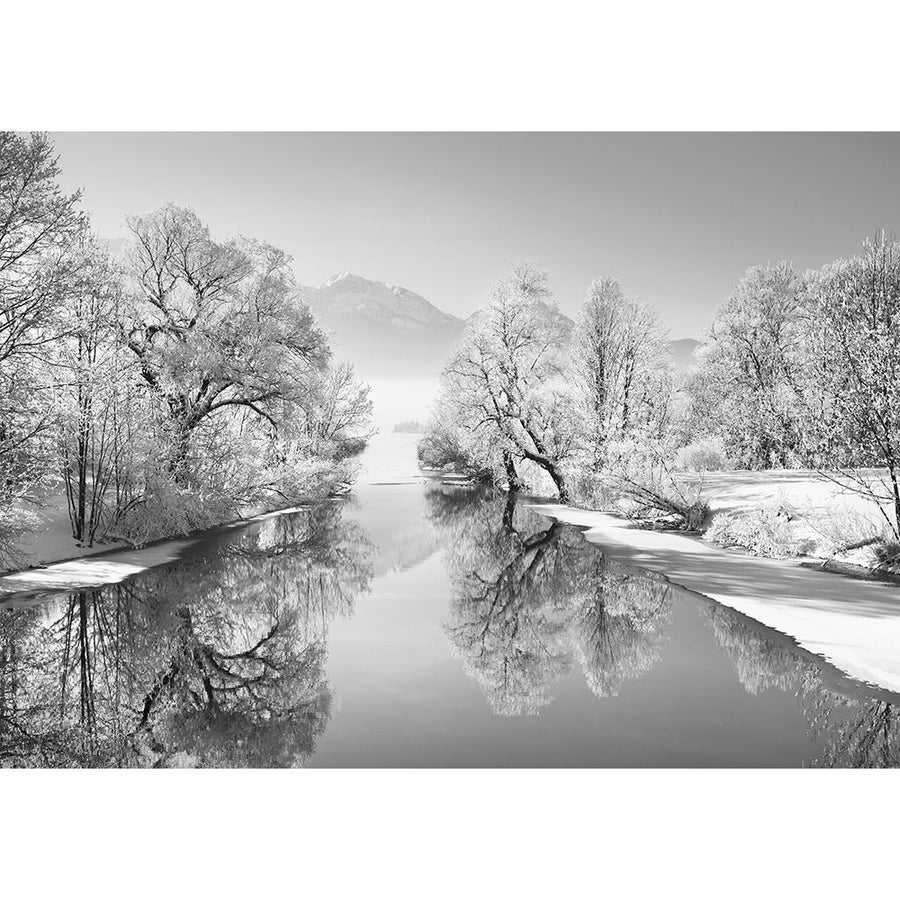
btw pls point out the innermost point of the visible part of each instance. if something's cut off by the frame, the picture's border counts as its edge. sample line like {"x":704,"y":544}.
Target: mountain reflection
{"x":531,"y":597}
{"x":217,"y":661}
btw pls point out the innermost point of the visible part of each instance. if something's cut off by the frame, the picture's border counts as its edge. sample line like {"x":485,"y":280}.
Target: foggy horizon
{"x":675,"y":218}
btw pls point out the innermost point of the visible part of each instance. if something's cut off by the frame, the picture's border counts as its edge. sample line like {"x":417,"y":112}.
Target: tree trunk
{"x":626,"y":394}
{"x":895,"y":485}
{"x":512,"y":476}
{"x":179,"y":458}
{"x":542,"y":458}
{"x":509,"y":512}
{"x":559,"y":480}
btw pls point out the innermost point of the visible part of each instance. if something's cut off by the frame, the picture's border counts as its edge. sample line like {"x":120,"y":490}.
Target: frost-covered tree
{"x":167,"y":395}
{"x":852,"y":384}
{"x":92,"y":369}
{"x":39,"y":223}
{"x":333,"y":409}
{"x":504,"y":386}
{"x":622,"y":369}
{"x":216,"y":326}
{"x":625,"y":397}
{"x":446,"y":445}
{"x":745,"y":386}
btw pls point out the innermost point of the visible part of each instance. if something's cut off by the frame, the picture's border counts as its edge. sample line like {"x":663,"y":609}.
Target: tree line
{"x":798,"y":371}
{"x":164,"y":391}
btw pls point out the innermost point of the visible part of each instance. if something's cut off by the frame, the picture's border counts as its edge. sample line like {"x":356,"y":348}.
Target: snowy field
{"x":802,"y":488}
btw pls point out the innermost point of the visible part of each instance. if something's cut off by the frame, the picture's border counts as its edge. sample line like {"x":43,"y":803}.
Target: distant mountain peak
{"x":684,"y":353}
{"x":351,"y":282}
{"x":382,"y":327}
{"x":349,"y":294}
{"x":388,"y":330}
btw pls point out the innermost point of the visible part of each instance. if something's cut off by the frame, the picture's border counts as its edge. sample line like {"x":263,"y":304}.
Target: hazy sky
{"x":675,"y":218}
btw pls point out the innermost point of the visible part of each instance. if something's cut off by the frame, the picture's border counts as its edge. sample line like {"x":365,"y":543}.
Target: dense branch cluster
{"x":532,"y":401}
{"x":797,"y":371}
{"x":804,"y":371}
{"x":163,"y":391}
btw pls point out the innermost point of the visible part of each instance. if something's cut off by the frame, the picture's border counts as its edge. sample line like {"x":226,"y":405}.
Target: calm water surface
{"x":417,"y":624}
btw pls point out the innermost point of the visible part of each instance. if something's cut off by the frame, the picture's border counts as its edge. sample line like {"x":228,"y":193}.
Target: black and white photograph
{"x":477,"y":451}
{"x":323,"y":470}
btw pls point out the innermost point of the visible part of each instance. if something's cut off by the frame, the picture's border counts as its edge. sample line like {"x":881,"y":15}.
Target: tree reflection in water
{"x":852,"y":732}
{"x":218,"y":661}
{"x":530,"y":596}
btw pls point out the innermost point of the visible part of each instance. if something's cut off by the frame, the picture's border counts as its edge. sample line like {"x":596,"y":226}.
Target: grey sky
{"x":675,"y":217}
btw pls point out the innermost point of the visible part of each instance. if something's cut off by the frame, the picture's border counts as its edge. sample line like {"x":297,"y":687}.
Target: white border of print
{"x":417,"y":66}
{"x":474,"y":64}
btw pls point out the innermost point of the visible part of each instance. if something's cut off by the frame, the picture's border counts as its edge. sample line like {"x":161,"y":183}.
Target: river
{"x":416,"y":623}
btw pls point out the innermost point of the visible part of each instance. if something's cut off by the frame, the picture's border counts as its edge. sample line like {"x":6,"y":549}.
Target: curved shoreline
{"x":106,"y":567}
{"x":852,"y":625}
{"x":112,"y":566}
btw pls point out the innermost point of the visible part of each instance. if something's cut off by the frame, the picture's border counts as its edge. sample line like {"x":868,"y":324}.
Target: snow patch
{"x":854,"y":625}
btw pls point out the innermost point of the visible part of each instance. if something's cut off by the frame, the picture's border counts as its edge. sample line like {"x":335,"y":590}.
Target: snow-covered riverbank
{"x":56,"y":563}
{"x":855,"y":625}
{"x":50,"y":560}
{"x":113,"y":566}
